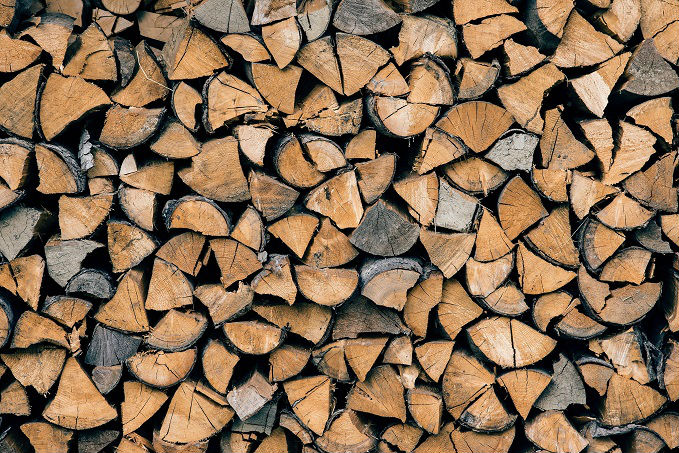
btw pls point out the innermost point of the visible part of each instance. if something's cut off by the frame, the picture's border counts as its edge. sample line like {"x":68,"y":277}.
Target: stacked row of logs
{"x":339,"y":226}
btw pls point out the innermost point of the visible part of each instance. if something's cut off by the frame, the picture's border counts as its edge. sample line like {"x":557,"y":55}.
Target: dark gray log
{"x":648,"y":73}
{"x":225,"y":16}
{"x":95,"y":440}
{"x":384,"y":231}
{"x":64,"y":258}
{"x":92,"y":283}
{"x":109,"y":347}
{"x":364,"y":17}
{"x":106,"y":378}
{"x":359,"y":316}
{"x":565,"y":389}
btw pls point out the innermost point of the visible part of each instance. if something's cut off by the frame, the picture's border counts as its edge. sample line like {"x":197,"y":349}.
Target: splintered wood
{"x":339,"y":226}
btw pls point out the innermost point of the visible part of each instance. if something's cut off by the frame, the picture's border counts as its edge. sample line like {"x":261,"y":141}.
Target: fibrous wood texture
{"x":339,"y":226}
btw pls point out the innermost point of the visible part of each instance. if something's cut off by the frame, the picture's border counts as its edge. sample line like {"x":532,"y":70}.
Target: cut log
{"x":161,"y":369}
{"x":18,"y":96}
{"x":647,"y":62}
{"x":310,"y":399}
{"x":271,"y":197}
{"x":475,"y":78}
{"x":552,"y":431}
{"x":204,"y":57}
{"x":524,"y":387}
{"x":439,"y":245}
{"x":38,"y":367}
{"x":60,"y":107}
{"x":514,"y":343}
{"x":466,"y":121}
{"x":374,"y":176}
{"x":224,"y":305}
{"x":185,"y":103}
{"x":225,"y":16}
{"x":226,"y":98}
{"x":193,"y":416}
{"x":283,"y":40}
{"x":582,"y":45}
{"x":387,"y":281}
{"x":352,"y":16}
{"x":476,"y":175}
{"x":490,"y":33}
{"x":77,"y":404}
{"x":622,"y":306}
{"x":456,"y":309}
{"x":519,"y":207}
{"x":397,"y":236}
{"x":526,"y":109}
{"x":276,"y":279}
{"x":594,"y":88}
{"x":253,"y":337}
{"x":565,"y":389}
{"x":619,"y":408}
{"x":58,"y":170}
{"x":329,"y":287}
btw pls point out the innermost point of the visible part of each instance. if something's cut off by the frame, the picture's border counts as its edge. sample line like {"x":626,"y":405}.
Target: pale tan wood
{"x":330,"y":247}
{"x":476,"y":175}
{"x":383,"y":385}
{"x":582,"y":45}
{"x":37,"y":367}
{"x":594,"y":88}
{"x":227,"y":98}
{"x":204,"y":56}
{"x":203,"y":176}
{"x":476,"y":77}
{"x":125,"y":311}
{"x":310,"y":321}
{"x":619,"y":407}
{"x":441,"y":31}
{"x":524,"y":387}
{"x":526,"y":109}
{"x":519,"y":207}
{"x":338,"y":198}
{"x":18,"y":108}
{"x":421,"y":299}
{"x":519,"y":58}
{"x":193,"y":416}
{"x":359,"y":60}
{"x":509,"y":342}
{"x":161,"y":369}
{"x":310,"y":399}
{"x":77,"y":403}
{"x":439,"y":245}
{"x":538,"y":276}
{"x":467,"y":12}
{"x":361,"y":354}
{"x":347,"y":432}
{"x":490,"y":33}
{"x":464,"y":380}
{"x":45,"y":437}
{"x":59,"y":106}
{"x":456,"y":309}
{"x":283,"y":40}
{"x":141,"y":402}
{"x":250,"y":47}
{"x":253,"y":337}
{"x":551,"y":430}
{"x":466,"y":121}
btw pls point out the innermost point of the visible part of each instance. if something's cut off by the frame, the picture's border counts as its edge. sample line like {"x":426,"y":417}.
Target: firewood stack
{"x":339,"y":226}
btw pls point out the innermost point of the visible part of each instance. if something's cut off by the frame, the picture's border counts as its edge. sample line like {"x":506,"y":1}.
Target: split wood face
{"x":339,"y":226}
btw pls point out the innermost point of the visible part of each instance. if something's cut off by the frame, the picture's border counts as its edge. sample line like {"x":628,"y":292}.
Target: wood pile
{"x":339,"y":226}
